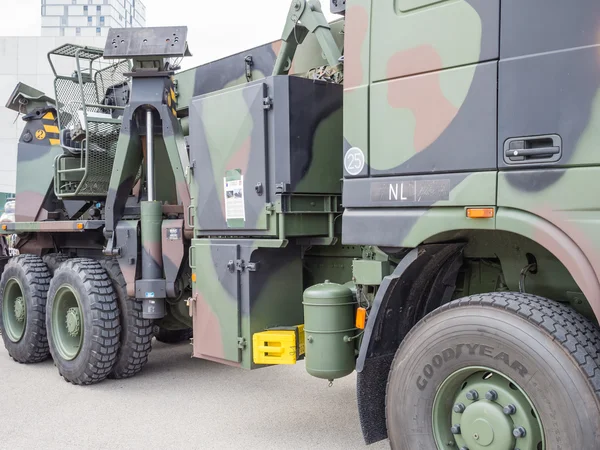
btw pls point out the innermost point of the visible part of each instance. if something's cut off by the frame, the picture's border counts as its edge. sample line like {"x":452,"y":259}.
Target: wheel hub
{"x":73,"y":322}
{"x":19,"y":309}
{"x":483,"y":423}
{"x":488,"y":412}
{"x":14,"y":310}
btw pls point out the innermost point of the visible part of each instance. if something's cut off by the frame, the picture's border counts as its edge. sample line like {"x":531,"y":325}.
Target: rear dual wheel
{"x":498,"y":371}
{"x":23,"y":290}
{"x":83,"y":321}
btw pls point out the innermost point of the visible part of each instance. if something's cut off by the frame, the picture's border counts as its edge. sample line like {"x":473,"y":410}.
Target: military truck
{"x":400,"y":193}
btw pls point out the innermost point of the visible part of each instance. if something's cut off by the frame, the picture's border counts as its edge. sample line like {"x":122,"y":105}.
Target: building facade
{"x":90,"y":18}
{"x":25,"y":59}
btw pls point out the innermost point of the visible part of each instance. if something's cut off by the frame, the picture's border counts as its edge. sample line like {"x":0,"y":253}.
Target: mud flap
{"x":424,"y":280}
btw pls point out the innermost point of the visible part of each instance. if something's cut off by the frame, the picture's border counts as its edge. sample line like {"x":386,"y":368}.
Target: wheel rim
{"x":67,"y":323}
{"x":477,"y":408}
{"x":14,"y":310}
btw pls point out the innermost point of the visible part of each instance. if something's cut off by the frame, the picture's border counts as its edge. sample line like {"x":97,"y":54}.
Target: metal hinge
{"x":281,"y":188}
{"x":249,"y":63}
{"x":267,"y":103}
{"x":239,"y":265}
{"x":241,"y":343}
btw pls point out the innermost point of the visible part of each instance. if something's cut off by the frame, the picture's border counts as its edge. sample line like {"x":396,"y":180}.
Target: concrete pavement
{"x":178,"y":402}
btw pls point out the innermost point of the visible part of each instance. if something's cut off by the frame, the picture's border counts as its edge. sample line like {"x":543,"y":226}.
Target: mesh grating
{"x":89,"y":53}
{"x":98,"y":140}
{"x":69,"y":101}
{"x":101,"y":149}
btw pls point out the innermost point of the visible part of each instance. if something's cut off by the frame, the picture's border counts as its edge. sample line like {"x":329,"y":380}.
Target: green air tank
{"x":329,"y":326}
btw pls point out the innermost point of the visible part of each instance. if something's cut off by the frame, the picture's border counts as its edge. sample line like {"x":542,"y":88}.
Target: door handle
{"x":528,"y":152}
{"x":532,"y":150}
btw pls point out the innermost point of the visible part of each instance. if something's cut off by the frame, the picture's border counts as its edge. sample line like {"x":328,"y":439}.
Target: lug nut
{"x":455,"y":429}
{"x":519,"y":432}
{"x":492,"y":395}
{"x":509,"y":410}
{"x":473,"y":395}
{"x":459,"y":408}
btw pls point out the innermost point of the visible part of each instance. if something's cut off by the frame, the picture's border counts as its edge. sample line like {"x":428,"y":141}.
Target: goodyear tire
{"x":136,"y":332}
{"x":54,"y":260}
{"x":23,"y":290}
{"x":173,"y":336}
{"x":83,"y":322}
{"x":540,"y":353}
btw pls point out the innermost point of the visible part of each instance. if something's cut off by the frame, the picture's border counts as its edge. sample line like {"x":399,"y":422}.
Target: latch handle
{"x":527,"y":152}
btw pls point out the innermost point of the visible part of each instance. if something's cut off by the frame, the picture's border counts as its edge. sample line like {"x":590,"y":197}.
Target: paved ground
{"x":178,"y":402}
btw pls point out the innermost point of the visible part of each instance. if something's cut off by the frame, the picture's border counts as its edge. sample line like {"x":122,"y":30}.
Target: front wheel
{"x":496,"y":372}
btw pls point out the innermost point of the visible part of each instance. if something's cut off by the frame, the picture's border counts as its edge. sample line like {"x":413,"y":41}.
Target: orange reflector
{"x":4,"y":227}
{"x":80,"y":226}
{"x":193,"y":278}
{"x":361,"y":318}
{"x":480,"y":213}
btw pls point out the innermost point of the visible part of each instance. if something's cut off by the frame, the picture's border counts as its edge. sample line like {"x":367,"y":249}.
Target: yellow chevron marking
{"x":51,"y":128}
{"x":48,"y":116}
{"x":173,"y":94}
{"x":174,"y":112}
{"x":54,"y":141}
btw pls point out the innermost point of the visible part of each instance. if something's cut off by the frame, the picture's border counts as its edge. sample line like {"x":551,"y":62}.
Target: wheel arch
{"x":396,"y":306}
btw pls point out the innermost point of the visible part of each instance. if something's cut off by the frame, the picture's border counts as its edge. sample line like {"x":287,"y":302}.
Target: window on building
{"x":78,"y":31}
{"x":98,"y":8}
{"x":85,"y":9}
{"x":89,"y":20}
{"x":101,"y":20}
{"x":98,"y":31}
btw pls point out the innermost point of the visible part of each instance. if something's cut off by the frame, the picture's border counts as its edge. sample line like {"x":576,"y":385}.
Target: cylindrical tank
{"x":329,"y":327}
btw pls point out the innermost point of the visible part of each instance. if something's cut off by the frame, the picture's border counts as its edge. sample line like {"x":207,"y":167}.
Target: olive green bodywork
{"x":356,"y":152}
{"x":329,"y":311}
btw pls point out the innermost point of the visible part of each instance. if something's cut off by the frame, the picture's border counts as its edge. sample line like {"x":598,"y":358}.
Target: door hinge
{"x":249,"y":62}
{"x":267,"y":103}
{"x":241,"y":343}
{"x":240,"y":265}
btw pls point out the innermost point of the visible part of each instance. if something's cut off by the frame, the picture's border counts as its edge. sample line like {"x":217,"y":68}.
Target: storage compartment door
{"x":216,"y":301}
{"x":228,"y":146}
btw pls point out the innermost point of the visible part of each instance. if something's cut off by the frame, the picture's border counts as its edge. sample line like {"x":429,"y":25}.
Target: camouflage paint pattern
{"x":127,"y":233}
{"x":173,"y":251}
{"x":231,"y":70}
{"x":231,"y":301}
{"x":37,"y":149}
{"x":276,"y":143}
{"x":434,"y":91}
{"x":157,"y":93}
